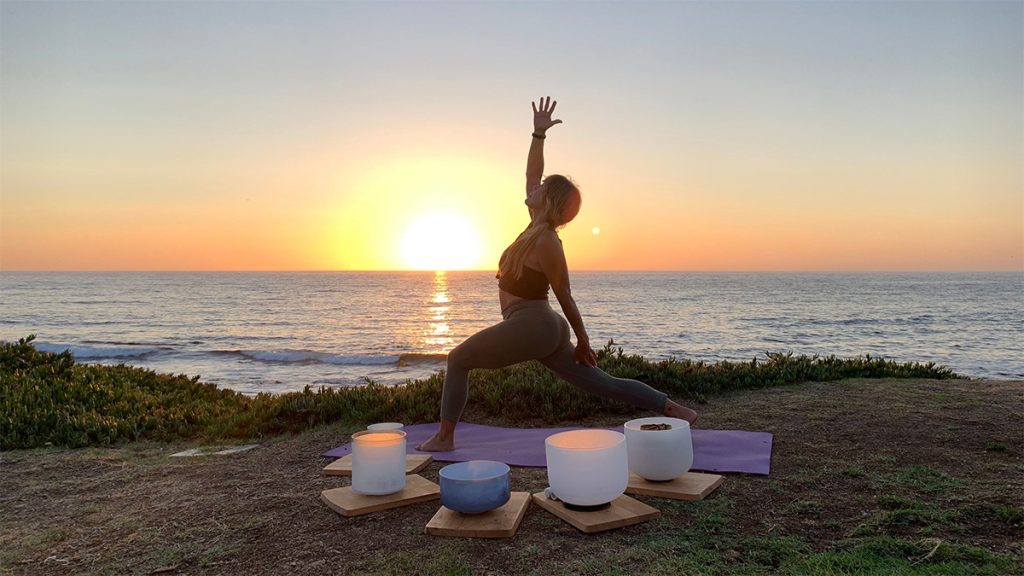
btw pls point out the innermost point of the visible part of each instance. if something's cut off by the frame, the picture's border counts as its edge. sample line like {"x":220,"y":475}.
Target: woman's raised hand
{"x":542,"y":118}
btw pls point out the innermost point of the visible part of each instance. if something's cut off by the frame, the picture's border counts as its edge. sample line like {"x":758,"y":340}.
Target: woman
{"x":531,"y":330}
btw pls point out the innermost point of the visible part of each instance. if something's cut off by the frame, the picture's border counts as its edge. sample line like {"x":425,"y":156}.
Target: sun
{"x":440,"y":241}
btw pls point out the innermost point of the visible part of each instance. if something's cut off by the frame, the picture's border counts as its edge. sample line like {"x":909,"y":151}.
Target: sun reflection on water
{"x":437,"y":337}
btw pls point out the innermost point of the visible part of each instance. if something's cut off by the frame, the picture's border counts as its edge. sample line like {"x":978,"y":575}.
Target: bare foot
{"x":437,"y":444}
{"x":678,"y":411}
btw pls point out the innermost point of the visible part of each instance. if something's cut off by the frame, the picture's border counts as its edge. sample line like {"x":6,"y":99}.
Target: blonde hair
{"x":563,"y":203}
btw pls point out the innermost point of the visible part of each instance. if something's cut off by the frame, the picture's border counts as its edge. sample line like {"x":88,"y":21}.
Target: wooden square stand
{"x":689,"y":486}
{"x":623,"y":511}
{"x":347,"y":502}
{"x":502,"y":522}
{"x":343,"y":466}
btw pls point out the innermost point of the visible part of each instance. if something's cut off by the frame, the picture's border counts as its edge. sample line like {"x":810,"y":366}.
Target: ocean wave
{"x":287,"y":356}
{"x":81,"y":352}
{"x":314,"y":357}
{"x":417,"y":359}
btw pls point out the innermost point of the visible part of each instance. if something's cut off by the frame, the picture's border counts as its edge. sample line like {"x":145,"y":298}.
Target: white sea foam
{"x":83,"y":352}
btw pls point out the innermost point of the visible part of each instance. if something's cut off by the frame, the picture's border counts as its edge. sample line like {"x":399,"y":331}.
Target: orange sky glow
{"x":158,"y":137}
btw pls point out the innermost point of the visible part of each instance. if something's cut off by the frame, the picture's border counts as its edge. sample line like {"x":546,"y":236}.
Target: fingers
{"x":546,"y":105}
{"x":586,"y":357}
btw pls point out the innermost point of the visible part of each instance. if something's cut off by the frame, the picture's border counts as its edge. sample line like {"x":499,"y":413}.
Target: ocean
{"x":275,"y":332}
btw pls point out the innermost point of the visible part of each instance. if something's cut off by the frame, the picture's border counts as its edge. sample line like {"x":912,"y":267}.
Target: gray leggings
{"x":531,"y":330}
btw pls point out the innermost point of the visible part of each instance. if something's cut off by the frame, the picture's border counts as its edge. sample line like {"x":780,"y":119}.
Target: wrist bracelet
{"x":541,"y":136}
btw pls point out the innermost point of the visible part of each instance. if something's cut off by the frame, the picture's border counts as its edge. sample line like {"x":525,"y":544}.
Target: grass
{"x":49,"y":399}
{"x":853,"y":472}
{"x":804,"y":508}
{"x":923,"y":480}
{"x":449,"y":560}
{"x":898,"y":501}
{"x":901,"y":557}
{"x":902,"y":512}
{"x":712,"y":546}
{"x":996,"y":446}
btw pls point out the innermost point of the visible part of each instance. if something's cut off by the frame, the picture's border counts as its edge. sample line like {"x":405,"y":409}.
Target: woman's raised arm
{"x":535,"y":159}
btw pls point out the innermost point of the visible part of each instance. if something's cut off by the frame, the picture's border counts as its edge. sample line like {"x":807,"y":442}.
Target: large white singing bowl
{"x":659,"y":455}
{"x":587,"y":467}
{"x":378,"y":462}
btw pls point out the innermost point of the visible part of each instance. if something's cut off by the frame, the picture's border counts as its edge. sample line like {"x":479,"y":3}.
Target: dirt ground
{"x":846,"y":455}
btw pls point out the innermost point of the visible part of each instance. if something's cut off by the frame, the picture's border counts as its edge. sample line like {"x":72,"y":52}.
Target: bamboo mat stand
{"x":502,"y":522}
{"x":691,"y":486}
{"x":347,"y":502}
{"x":623,"y":511}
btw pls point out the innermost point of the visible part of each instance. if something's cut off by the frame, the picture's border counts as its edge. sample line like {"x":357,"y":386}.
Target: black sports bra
{"x":532,"y":284}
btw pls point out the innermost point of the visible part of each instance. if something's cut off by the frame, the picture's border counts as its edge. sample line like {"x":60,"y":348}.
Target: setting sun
{"x":440,"y":241}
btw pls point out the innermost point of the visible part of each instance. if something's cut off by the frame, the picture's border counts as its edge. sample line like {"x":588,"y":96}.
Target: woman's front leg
{"x":506,"y":343}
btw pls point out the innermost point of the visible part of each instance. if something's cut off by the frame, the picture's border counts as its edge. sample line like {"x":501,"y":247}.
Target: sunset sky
{"x":392,"y":135}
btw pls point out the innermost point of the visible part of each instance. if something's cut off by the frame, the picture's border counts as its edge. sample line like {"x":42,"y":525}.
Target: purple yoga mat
{"x":713,"y":450}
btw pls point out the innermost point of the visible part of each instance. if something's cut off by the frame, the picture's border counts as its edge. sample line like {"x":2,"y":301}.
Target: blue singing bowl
{"x":475,"y":486}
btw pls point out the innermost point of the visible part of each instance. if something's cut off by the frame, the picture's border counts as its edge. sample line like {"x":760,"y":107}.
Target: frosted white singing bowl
{"x":659,"y":455}
{"x":587,"y":467}
{"x":378,"y":462}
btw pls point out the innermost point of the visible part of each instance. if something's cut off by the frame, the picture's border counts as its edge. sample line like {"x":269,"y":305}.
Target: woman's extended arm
{"x":535,"y":159}
{"x":552,"y":261}
{"x":534,"y":164}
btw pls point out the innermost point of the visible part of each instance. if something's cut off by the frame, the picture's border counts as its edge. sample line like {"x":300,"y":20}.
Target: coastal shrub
{"x":49,"y":399}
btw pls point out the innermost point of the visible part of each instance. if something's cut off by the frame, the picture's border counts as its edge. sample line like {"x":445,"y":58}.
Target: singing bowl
{"x":587,"y":467}
{"x":378,"y":462}
{"x":659,"y":455}
{"x":475,"y":486}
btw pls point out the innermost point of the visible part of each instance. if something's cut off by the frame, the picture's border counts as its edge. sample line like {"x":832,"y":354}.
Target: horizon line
{"x":427,"y":271}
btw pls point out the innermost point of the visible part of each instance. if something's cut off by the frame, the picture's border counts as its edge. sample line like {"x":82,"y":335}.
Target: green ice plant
{"x":50,"y":399}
